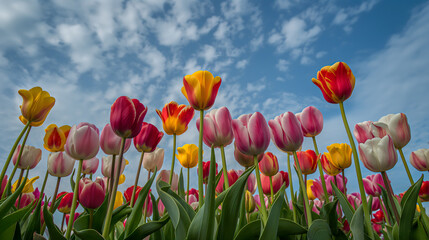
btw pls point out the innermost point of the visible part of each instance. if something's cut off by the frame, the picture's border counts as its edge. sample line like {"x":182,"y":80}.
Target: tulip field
{"x":258,"y":201}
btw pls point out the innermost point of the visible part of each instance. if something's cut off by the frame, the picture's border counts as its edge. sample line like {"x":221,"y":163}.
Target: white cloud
{"x":208,"y":53}
{"x":286,"y":4}
{"x":348,"y":16}
{"x":282,"y":65}
{"x":242,"y":64}
{"x":156,"y":61}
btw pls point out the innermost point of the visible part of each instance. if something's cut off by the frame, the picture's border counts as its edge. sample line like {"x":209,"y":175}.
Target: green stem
{"x":62,"y":222}
{"x":146,"y":202}
{"x":187,"y":187}
{"x":271,"y":190}
{"x":113,"y":194}
{"x":52,"y":207}
{"x":74,"y":202}
{"x":224,"y":168}
{"x":386,"y":217}
{"x":12,"y":151}
{"x":173,"y":159}
{"x":200,"y":161}
{"x":261,"y":193}
{"x":344,"y":183}
{"x":358,"y":172}
{"x":44,"y":183}
{"x":91,"y":217}
{"x":137,"y":179}
{"x":319,"y":164}
{"x":304,"y":191}
{"x":291,"y":188}
{"x":406,"y":166}
{"x":21,"y":174}
{"x":390,"y":196}
{"x":112,"y":175}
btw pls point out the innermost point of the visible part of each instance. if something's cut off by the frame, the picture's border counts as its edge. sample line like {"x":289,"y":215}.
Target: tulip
{"x":315,"y":188}
{"x":60,"y":164}
{"x":106,"y":166}
{"x":3,"y":185}
{"x":148,"y":138}
{"x":341,"y":155}
{"x":24,"y":200}
{"x":161,"y":208}
{"x":371,"y":184}
{"x":76,"y":215}
{"x":193,"y":192}
{"x":128,"y":193}
{"x":154,"y":160}
{"x":310,"y":186}
{"x":251,"y":132}
{"x":119,"y":200}
{"x":55,"y":137}
{"x":91,"y":194}
{"x":243,"y":159}
{"x":327,"y":165}
{"x":420,"y":159}
{"x":90,"y":166}
{"x":336,"y":82}
{"x":200,"y":89}
{"x":277,"y":183}
{"x":341,"y":185}
{"x":147,"y":207}
{"x":424,"y":191}
{"x":28,"y":187}
{"x":110,"y":143}
{"x":307,"y":161}
{"x":311,"y":120}
{"x":258,"y":201}
{"x":251,"y":183}
{"x":126,"y":116}
{"x":82,"y":142}
{"x":30,"y":157}
{"x":378,"y":217}
{"x":378,"y":155}
{"x":175,"y":118}
{"x":66,"y":203}
{"x":354,"y":199}
{"x":285,"y":176}
{"x":375,"y":203}
{"x":367,"y":130}
{"x":249,"y":202}
{"x":269,"y":164}
{"x":206,"y":171}
{"x":232,"y":178}
{"x":397,"y":128}
{"x":188,"y":155}
{"x":217,"y":128}
{"x":286,"y":132}
{"x":164,"y":176}
{"x":36,"y":105}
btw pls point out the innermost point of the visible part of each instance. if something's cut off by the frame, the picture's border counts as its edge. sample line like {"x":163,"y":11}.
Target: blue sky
{"x":88,"y":53}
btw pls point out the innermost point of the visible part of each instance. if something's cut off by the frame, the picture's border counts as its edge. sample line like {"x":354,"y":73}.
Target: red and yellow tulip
{"x":200,"y":88}
{"x":55,"y":137}
{"x":175,"y":118}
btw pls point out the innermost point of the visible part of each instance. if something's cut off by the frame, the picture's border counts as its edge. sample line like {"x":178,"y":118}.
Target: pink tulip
{"x":82,"y":142}
{"x":307,"y":161}
{"x":76,"y":215}
{"x":152,"y":160}
{"x":375,"y":203}
{"x":217,"y":128}
{"x":60,"y":164}
{"x":110,"y":143}
{"x":367,"y":130}
{"x":164,"y":176}
{"x":311,"y":120}
{"x":251,"y":181}
{"x":26,"y":199}
{"x":149,"y":208}
{"x":3,"y":185}
{"x":243,"y":159}
{"x":106,"y":166}
{"x":354,"y":199}
{"x":378,"y":155}
{"x":148,"y":138}
{"x":258,"y":201}
{"x":269,"y":164}
{"x":232,"y":178}
{"x":285,"y":176}
{"x":317,"y":190}
{"x":371,"y":184}
{"x":420,"y":159}
{"x":397,"y":128}
{"x":331,"y":179}
{"x":126,"y":117}
{"x":277,"y":183}
{"x":90,"y":166}
{"x":30,"y":157}
{"x":286,"y":132}
{"x":317,"y":205}
{"x":91,"y":194}
{"x":161,"y":208}
{"x":251,"y":132}
{"x":192,"y":201}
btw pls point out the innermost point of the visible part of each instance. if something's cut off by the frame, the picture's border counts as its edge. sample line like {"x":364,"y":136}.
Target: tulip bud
{"x":311,"y":120}
{"x":424,"y":191}
{"x":232,"y":178}
{"x":60,"y":164}
{"x":258,"y":201}
{"x":310,"y":193}
{"x":119,"y":200}
{"x":251,"y":183}
{"x":106,"y":166}
{"x":91,"y":194}
{"x":249,"y":202}
{"x":277,"y":183}
{"x":354,"y":199}
{"x":152,"y":160}
{"x":307,"y":161}
{"x":200,"y":89}
{"x":251,"y":132}
{"x":30,"y":157}
{"x":161,"y":208}
{"x":188,"y":155}
{"x":148,"y":138}
{"x":110,"y":143}
{"x":76,"y":215}
{"x":378,"y":155}
{"x":26,"y":199}
{"x":3,"y":185}
{"x":371,"y":184}
{"x":243,"y":159}
{"x":126,"y":117}
{"x":90,"y":166}
{"x":397,"y":128}
{"x":341,"y":155}
{"x":328,"y":167}
{"x":269,"y":164}
{"x":82,"y":142}
{"x":420,"y":159}
{"x":36,"y":105}
{"x":217,"y":128}
{"x":164,"y":176}
{"x":285,"y":176}
{"x":286,"y":132}
{"x":66,"y":203}
{"x":206,"y":171}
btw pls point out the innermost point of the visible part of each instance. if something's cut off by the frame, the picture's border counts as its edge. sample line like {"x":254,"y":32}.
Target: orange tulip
{"x":336,"y":82}
{"x":36,"y":105}
{"x":327,"y":166}
{"x":200,"y":89}
{"x":175,"y":118}
{"x":55,"y":137}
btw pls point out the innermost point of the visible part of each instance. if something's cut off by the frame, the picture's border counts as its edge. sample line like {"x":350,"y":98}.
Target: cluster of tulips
{"x":224,"y":205}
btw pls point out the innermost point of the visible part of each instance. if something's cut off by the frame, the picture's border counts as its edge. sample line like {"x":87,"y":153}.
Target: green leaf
{"x":34,"y":222}
{"x":408,"y":203}
{"x":100,"y":215}
{"x":357,"y":225}
{"x":418,"y":230}
{"x":319,"y":230}
{"x":14,"y":217}
{"x":10,"y":201}
{"x":181,"y":185}
{"x":250,"y":231}
{"x":136,"y":214}
{"x":231,"y":204}
{"x":270,"y":230}
{"x":155,"y":216}
{"x":146,"y":229}
{"x":288,"y":227}
{"x":189,"y":210}
{"x":88,"y":234}
{"x":54,"y":231}
{"x":72,"y":180}
{"x":13,"y":232}
{"x":386,"y":202}
{"x":119,"y":214}
{"x":329,"y":213}
{"x":345,"y":205}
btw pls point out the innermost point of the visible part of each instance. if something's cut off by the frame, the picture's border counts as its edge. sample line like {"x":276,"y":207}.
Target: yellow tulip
{"x":55,"y":137}
{"x":121,"y":179}
{"x":119,"y":200}
{"x":341,"y":155}
{"x":36,"y":105}
{"x":310,"y":193}
{"x":201,"y":89}
{"x":28,"y":188}
{"x":188,"y":155}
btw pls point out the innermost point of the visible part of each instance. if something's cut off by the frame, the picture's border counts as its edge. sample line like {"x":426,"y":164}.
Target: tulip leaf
{"x":387,"y":204}
{"x":357,"y":225}
{"x":329,"y":213}
{"x":271,"y":227}
{"x":418,"y":230}
{"x":288,"y":227}
{"x":345,"y":205}
{"x":54,"y":231}
{"x":72,"y":182}
{"x":14,"y":217}
{"x":34,"y":222}
{"x":189,"y":210}
{"x":136,"y":214}
{"x":319,"y":230}
{"x":231,"y":204}
{"x":119,"y":214}
{"x":250,"y":231}
{"x":155,"y":217}
{"x":181,"y":185}
{"x":100,"y":215}
{"x":147,"y":229}
{"x":10,"y":201}
{"x":203,"y":227}
{"x":88,"y":234}
{"x":408,"y":203}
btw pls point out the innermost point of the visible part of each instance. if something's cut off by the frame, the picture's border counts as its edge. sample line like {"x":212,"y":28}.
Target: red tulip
{"x":91,"y":194}
{"x":378,"y":217}
{"x":66,"y":203}
{"x":269,"y":164}
{"x":26,"y":199}
{"x":76,"y":215}
{"x":110,"y":143}
{"x":126,"y":117}
{"x":148,"y":138}
{"x":277,"y":183}
{"x":3,"y":185}
{"x":424,"y":191}
{"x":232,"y":178}
{"x":251,"y":132}
{"x":311,"y":120}
{"x":285,"y":176}
{"x":286,"y":132}
{"x":206,"y":171}
{"x":307,"y":161}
